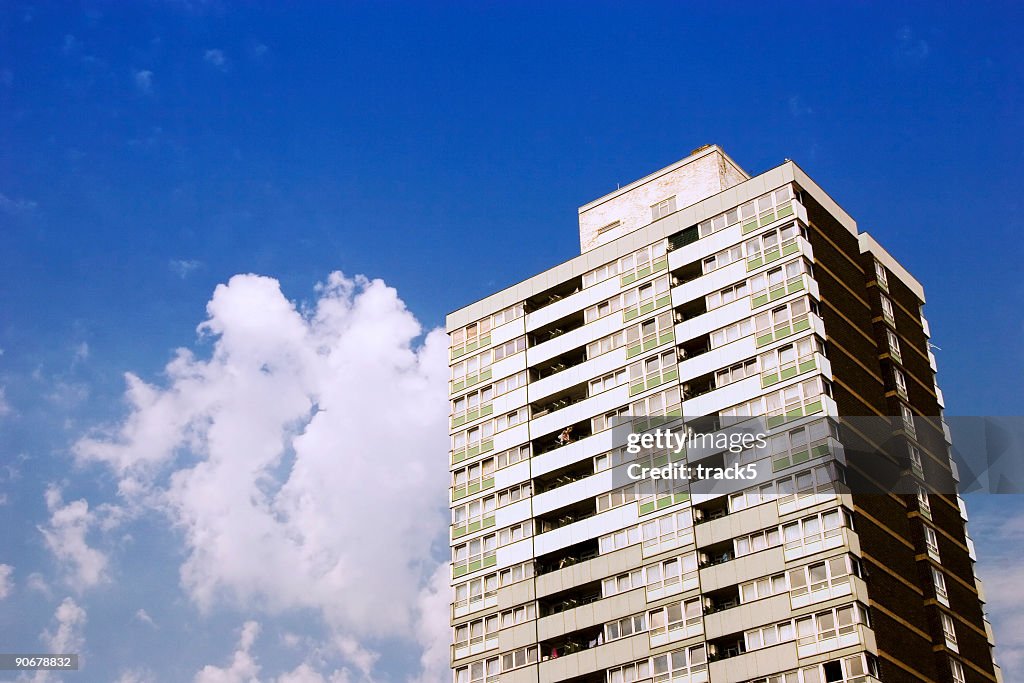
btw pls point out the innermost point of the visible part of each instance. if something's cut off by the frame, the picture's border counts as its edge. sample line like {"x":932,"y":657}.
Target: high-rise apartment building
{"x":701,"y":291}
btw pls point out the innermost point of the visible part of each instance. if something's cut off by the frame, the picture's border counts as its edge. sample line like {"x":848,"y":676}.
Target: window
{"x":520,"y":657}
{"x":674,"y":616}
{"x":723,"y":258}
{"x":473,"y":595}
{"x":619,"y":539}
{"x":462,"y":338}
{"x":811,"y":534}
{"x":515,"y":573}
{"x":726,"y":296}
{"x":620,"y":496}
{"x":514,"y":533}
{"x":769,"y":245}
{"x":762,"y":540}
{"x":802,"y":486}
{"x":674,"y":527}
{"x":957,"y":670}
{"x":669,"y":573}
{"x":939,"y":581}
{"x":915,"y":457}
{"x":790,"y":360}
{"x":802,"y":397}
{"x":476,"y":553}
{"x":661,"y":403}
{"x":763,"y":588}
{"x":731,"y":333}
{"x":922,"y":501}
{"x":641,"y":262}
{"x":489,"y":428}
{"x":468,"y":369}
{"x":645,"y":335}
{"x":606,"y":344}
{"x":907,"y":416}
{"x":901,"y":382}
{"x":609,"y":381}
{"x":518,"y":615}
{"x":608,"y":420}
{"x":679,"y":665}
{"x":484,"y":671}
{"x":894,"y":346}
{"x":478,"y":399}
{"x":820,"y":576}
{"x":782,"y":321}
{"x":735,"y":373}
{"x":887,"y":310}
{"x":622,"y":583}
{"x":625,"y":627}
{"x":650,"y":371}
{"x":611,"y":459}
{"x":748,"y":213}
{"x":931,"y":541}
{"x":773,"y":282}
{"x":830,"y":623}
{"x":479,"y":632}
{"x":604,"y":272}
{"x":881,"y":276}
{"x":948,"y":629}
{"x":628,"y":300}
{"x":509,"y":348}
{"x":636,"y":671}
{"x":663,"y":208}
{"x":770,"y":635}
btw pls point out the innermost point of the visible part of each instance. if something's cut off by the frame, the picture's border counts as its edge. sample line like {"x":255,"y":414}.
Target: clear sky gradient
{"x":151,"y":151}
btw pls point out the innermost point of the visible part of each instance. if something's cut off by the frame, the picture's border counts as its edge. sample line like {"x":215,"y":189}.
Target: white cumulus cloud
{"x":65,"y":536}
{"x":303,"y":460}
{"x":143,"y":79}
{"x":65,"y":636}
{"x":243,"y":667}
{"x":136,"y":676}
{"x":6,"y":580}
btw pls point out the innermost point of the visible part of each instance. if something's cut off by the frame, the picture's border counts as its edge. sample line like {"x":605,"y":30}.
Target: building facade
{"x":702,"y":291}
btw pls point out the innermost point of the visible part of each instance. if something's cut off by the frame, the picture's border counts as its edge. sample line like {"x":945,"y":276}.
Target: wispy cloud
{"x":65,"y":536}
{"x":910,"y":48}
{"x":799,"y":108}
{"x":70,"y":44}
{"x":243,"y":665}
{"x":16,"y":207}
{"x":216,"y":58}
{"x":67,"y":634}
{"x":6,"y":580}
{"x":5,"y":407}
{"x":143,"y":79}
{"x":142,"y":616}
{"x":136,"y":676}
{"x":184,"y":267}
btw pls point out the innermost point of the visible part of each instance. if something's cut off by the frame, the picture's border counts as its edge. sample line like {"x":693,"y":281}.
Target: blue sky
{"x":148,"y":153}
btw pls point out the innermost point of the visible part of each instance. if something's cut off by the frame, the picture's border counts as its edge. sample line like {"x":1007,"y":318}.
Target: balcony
{"x":566,"y":600}
{"x":564,"y":516}
{"x":571,"y":643}
{"x":560,"y":401}
{"x":721,"y":600}
{"x":563,"y":476}
{"x":556,"y":329}
{"x":715,"y":554}
{"x":567,"y":557}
